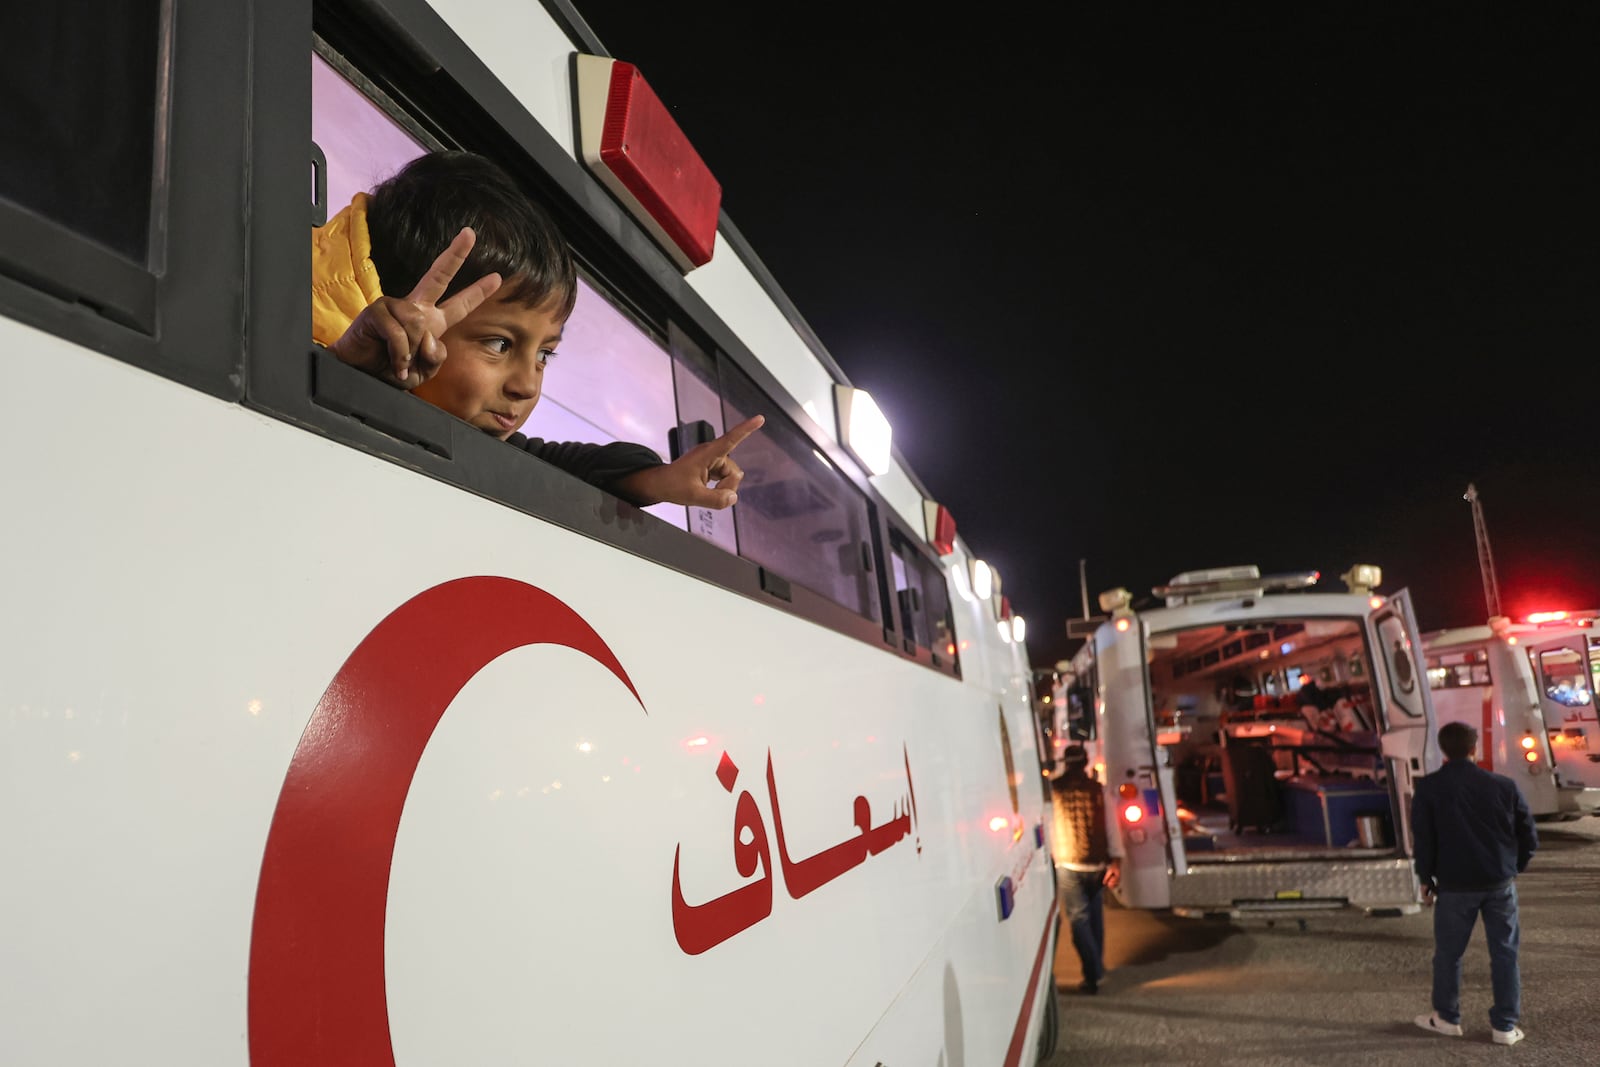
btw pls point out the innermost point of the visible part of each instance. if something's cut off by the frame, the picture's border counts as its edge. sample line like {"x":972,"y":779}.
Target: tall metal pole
{"x":1491,"y":584}
{"x":1083,"y":586}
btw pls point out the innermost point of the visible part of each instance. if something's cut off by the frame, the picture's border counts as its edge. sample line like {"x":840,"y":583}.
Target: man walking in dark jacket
{"x":1084,"y":863}
{"x":1474,"y":835}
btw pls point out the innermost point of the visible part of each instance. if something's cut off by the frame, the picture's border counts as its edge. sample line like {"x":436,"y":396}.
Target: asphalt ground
{"x":1343,"y":990}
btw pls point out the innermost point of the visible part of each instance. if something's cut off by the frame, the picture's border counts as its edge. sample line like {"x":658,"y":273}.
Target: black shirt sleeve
{"x":599,"y":465}
{"x":1527,"y":836}
{"x":1423,"y":836}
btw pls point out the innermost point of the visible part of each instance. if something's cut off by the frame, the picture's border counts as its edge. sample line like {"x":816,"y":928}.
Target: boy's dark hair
{"x":1458,"y":740}
{"x":415,"y":215}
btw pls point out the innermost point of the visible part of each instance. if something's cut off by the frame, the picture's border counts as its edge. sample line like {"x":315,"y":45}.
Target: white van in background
{"x":1527,"y":688}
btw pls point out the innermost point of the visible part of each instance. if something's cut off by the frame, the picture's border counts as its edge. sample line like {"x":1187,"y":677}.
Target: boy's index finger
{"x":438,"y":277}
{"x":469,"y":299}
{"x":732,"y":439}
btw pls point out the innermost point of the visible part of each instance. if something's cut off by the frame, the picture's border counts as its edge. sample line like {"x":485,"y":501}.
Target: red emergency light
{"x":1548,"y":616}
{"x":941,"y":527}
{"x":634,"y":147}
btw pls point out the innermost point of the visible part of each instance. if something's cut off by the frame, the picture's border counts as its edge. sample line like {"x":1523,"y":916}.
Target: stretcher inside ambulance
{"x":1282,"y":731}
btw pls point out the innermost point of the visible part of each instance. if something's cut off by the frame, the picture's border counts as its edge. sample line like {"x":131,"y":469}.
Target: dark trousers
{"x":1081,"y":905}
{"x":1454,"y":914}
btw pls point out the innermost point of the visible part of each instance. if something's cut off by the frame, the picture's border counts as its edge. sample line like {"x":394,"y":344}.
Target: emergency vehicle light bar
{"x":1584,"y":617}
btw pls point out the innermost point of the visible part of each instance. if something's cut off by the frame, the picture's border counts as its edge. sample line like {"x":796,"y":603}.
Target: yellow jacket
{"x":343,"y":278}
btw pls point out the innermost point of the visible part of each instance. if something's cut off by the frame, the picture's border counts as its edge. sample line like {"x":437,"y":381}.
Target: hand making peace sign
{"x":398,"y":339}
{"x":703,"y":477}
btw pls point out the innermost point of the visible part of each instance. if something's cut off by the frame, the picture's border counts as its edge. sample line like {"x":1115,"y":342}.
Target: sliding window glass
{"x":797,"y":514}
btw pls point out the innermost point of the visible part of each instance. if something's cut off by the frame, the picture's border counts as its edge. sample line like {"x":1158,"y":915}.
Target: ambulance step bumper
{"x":1373,"y":886}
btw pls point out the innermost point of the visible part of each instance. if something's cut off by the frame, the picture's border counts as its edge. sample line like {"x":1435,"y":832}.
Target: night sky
{"x":1187,"y":286}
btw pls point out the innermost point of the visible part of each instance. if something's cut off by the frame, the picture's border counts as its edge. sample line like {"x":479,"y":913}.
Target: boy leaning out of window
{"x":386,"y":300}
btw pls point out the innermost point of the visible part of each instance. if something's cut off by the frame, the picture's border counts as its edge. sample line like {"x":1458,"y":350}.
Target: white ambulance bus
{"x":1260,"y":743}
{"x":338,"y":733}
{"x":1526,"y":689}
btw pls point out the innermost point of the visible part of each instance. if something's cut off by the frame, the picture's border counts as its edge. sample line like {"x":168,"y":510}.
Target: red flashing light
{"x":1005,"y":606}
{"x":941,"y":528}
{"x":1132,"y":813}
{"x":1548,"y":616}
{"x":634,"y":147}
{"x":1531,"y":757}
{"x":1376,"y":602}
{"x":1127,"y":790}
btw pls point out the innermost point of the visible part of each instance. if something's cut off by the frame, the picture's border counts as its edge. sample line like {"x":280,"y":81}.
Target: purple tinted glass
{"x":363,"y":145}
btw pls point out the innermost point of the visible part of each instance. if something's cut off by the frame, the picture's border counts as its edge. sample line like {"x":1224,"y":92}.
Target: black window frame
{"x":903,"y":542}
{"x":181,"y":313}
{"x":413,"y":57}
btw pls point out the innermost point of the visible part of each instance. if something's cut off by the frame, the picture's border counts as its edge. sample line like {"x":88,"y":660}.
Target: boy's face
{"x":494,"y":369}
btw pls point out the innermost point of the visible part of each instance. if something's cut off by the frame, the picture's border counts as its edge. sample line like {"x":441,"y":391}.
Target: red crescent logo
{"x":317,"y":991}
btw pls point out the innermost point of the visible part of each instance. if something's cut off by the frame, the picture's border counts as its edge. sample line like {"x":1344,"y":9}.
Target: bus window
{"x":610,"y":381}
{"x":80,"y":106}
{"x":924,"y":604}
{"x":1459,"y":670}
{"x":797,"y":515}
{"x":615,"y":383}
{"x":936,"y":613}
{"x":360,"y":142}
{"x":694,"y":378}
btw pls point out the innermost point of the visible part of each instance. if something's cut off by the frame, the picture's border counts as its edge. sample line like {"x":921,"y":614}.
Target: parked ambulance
{"x":1527,"y":688}
{"x":1261,"y":740}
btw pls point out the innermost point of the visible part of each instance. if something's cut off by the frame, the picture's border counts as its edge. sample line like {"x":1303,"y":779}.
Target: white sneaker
{"x":1431,"y":1021}
{"x":1509,"y":1037}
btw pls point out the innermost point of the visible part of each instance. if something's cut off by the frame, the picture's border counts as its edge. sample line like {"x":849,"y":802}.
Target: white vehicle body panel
{"x":251,"y":803}
{"x":1504,"y":710}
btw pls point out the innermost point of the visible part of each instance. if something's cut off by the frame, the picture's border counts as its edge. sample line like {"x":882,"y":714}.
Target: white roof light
{"x":1019,"y":629}
{"x":963,"y":584}
{"x":863,"y":429}
{"x":1362,"y":578}
{"x":982,"y":580}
